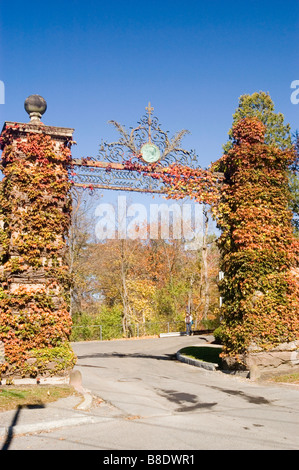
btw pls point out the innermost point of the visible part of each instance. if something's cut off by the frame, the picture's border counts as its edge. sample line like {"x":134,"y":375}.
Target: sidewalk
{"x":80,"y":408}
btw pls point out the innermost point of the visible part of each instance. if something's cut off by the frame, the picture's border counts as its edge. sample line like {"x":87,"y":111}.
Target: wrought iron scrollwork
{"x":116,"y":179}
{"x":129,"y":148}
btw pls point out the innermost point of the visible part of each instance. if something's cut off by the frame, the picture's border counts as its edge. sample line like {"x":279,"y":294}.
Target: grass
{"x":13,"y":396}
{"x":288,"y":378}
{"x":208,"y":354}
{"x":203,"y":353}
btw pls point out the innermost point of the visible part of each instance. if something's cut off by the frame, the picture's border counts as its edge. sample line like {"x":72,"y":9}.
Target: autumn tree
{"x":78,"y":256}
{"x":261,"y":106}
{"x":112,"y":264}
{"x":150,"y":280}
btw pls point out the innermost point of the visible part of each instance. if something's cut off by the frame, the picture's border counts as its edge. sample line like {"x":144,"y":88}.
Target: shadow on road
{"x":10,"y":432}
{"x":165,"y":357}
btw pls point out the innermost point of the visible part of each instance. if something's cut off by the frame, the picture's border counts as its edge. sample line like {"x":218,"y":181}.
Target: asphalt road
{"x":152,"y":401}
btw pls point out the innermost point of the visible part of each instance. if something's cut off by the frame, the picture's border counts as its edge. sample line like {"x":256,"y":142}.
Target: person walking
{"x":188,"y":320}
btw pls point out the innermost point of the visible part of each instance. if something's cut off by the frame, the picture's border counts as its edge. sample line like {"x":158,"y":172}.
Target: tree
{"x":260,"y":105}
{"x":78,"y":256}
{"x":149,"y":280}
{"x":112,"y":263}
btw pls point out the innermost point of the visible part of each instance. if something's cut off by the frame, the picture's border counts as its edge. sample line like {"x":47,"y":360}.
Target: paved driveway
{"x":152,"y":402}
{"x":181,"y":406}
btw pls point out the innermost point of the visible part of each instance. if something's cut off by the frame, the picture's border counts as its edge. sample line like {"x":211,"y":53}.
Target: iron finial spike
{"x":149,"y":110}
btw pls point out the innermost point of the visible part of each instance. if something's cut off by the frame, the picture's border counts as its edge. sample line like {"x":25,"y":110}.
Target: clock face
{"x":150,"y":153}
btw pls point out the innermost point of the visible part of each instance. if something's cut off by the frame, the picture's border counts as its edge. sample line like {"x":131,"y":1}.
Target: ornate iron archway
{"x":145,"y":144}
{"x":35,"y":217}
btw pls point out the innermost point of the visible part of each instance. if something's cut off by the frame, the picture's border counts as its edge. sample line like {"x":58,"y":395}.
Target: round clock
{"x":150,"y":152}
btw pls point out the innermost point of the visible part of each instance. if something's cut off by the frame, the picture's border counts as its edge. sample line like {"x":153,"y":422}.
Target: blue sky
{"x":97,"y":60}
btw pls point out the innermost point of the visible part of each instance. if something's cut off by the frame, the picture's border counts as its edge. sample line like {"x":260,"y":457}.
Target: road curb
{"x":87,"y":401}
{"x":197,"y":363}
{"x":49,"y":425}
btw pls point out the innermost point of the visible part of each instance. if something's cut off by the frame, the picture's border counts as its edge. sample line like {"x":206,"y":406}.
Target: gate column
{"x":35,"y":210}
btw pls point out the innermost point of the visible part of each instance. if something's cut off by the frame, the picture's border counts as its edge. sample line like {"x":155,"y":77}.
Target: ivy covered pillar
{"x":260,"y":255}
{"x":35,"y":214}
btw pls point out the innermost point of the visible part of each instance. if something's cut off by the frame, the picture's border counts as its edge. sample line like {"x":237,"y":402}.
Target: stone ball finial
{"x":35,"y":106}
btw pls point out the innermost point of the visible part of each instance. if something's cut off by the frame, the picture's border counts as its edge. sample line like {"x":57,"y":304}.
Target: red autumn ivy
{"x":35,"y":209}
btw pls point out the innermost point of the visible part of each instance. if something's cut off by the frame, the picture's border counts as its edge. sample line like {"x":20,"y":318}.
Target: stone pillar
{"x":35,"y":213}
{"x":260,"y":289}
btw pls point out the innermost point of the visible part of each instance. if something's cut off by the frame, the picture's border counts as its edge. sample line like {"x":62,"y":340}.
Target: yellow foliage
{"x":140,"y":294}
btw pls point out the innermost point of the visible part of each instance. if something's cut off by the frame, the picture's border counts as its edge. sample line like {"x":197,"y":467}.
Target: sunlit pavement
{"x":143,"y":398}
